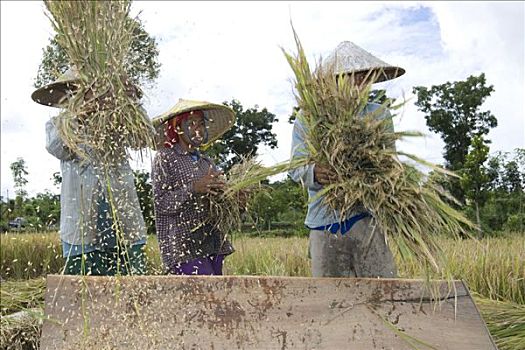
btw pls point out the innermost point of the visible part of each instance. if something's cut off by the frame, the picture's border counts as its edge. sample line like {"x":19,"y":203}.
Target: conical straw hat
{"x":220,"y":118}
{"x":348,"y":58}
{"x":53,"y":93}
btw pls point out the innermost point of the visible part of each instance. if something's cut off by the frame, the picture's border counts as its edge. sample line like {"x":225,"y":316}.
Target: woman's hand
{"x":210,"y":183}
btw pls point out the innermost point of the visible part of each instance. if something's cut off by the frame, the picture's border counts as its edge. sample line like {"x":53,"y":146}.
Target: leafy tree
{"x":452,"y":110}
{"x":142,"y":63}
{"x":253,"y":127}
{"x":379,"y":96}
{"x":18,"y":168}
{"x":43,"y":211}
{"x":504,"y":208}
{"x":511,"y":177}
{"x":493,"y":171}
{"x":265,"y":209}
{"x":285,"y":202}
{"x":474,"y":177}
{"x":293,"y":116}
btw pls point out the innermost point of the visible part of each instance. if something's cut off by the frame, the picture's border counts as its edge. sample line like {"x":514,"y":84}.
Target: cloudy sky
{"x":217,"y":51}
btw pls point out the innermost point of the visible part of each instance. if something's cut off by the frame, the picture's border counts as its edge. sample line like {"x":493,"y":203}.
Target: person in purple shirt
{"x":353,"y":247}
{"x":183,"y":179}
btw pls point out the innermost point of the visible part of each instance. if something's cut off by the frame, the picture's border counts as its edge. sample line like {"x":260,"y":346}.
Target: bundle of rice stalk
{"x":505,"y":321}
{"x":20,"y":295}
{"x":242,"y":184}
{"x":359,"y":148}
{"x":21,"y":304}
{"x":21,"y":330}
{"x":103,"y":119}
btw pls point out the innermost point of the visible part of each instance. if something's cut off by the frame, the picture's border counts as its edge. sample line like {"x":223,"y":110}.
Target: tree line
{"x":489,"y":187}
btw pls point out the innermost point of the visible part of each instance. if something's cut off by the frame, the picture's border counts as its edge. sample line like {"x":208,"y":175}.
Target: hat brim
{"x":378,"y":74}
{"x":53,"y":94}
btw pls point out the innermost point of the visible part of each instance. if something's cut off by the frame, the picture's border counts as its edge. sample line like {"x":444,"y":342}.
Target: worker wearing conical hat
{"x":182,"y":178}
{"x":343,"y":248}
{"x":89,"y":242}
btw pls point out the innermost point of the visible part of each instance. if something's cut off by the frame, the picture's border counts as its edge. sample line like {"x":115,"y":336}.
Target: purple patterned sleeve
{"x":169,"y":187}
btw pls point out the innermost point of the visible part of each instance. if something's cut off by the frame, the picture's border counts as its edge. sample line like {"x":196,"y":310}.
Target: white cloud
{"x":217,"y":51}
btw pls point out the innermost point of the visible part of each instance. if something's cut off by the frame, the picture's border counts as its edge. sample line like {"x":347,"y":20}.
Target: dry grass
{"x":97,"y":36}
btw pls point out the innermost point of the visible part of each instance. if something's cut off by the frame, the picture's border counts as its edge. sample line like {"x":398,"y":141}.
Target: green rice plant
{"x":268,"y":257}
{"x":492,"y":267}
{"x":30,"y":255}
{"x":359,"y":148}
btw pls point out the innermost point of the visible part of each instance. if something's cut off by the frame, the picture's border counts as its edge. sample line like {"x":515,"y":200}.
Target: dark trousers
{"x":108,"y":263}
{"x":361,"y":252}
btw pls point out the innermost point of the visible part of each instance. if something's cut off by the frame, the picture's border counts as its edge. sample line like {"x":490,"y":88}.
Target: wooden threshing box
{"x":253,"y":312}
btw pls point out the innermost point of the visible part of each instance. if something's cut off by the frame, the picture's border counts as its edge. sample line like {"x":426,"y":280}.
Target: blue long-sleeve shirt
{"x":319,"y":214}
{"x":83,"y":183}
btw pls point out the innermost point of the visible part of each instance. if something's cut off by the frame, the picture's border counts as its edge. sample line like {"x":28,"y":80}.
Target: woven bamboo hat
{"x":348,"y":58}
{"x":53,"y":93}
{"x":219,"y":118}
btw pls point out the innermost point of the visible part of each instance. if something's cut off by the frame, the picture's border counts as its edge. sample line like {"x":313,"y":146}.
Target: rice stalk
{"x":243,"y":182}
{"x":228,"y":209}
{"x":96,"y":36}
{"x":359,"y":148}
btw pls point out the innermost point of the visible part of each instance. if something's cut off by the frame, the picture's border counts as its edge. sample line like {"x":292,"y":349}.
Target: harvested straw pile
{"x":16,"y":296}
{"x":21,"y":330}
{"x":358,"y":148}
{"x":21,"y":305}
{"x":97,"y":35}
{"x":506,"y":322}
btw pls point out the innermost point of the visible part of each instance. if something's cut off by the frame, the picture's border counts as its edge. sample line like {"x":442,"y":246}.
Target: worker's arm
{"x":304,"y":174}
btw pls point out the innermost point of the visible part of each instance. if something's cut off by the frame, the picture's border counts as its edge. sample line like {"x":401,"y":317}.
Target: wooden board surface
{"x":252,"y":312}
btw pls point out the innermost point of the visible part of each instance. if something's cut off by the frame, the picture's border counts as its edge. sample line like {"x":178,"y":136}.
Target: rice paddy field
{"x":493,"y":269}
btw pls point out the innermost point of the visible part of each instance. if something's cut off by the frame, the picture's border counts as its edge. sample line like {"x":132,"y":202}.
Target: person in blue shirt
{"x":89,"y":240}
{"x":354,"y":247}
